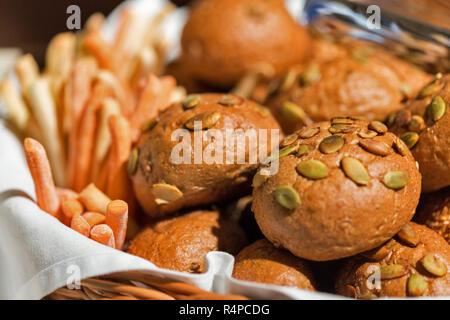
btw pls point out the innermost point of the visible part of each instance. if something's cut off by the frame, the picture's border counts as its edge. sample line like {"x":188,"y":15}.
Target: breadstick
{"x":86,"y":136}
{"x":118,"y":185}
{"x":70,"y":208}
{"x":65,"y":194}
{"x":103,"y":139}
{"x":39,"y":166}
{"x":94,"y":23}
{"x":17,"y":109}
{"x":117,"y":219}
{"x":27,"y":71}
{"x":43,"y":107}
{"x":94,"y":218}
{"x":80,"y":225}
{"x":103,"y":234}
{"x":93,"y":199}
{"x":155,"y":97}
{"x":60,"y":55}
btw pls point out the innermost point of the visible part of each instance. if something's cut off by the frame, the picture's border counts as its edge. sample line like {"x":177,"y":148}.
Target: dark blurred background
{"x":29,"y":25}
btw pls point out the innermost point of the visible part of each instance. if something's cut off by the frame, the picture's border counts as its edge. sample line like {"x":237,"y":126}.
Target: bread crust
{"x":262,"y":262}
{"x":224,"y":39}
{"x":352,"y":79}
{"x":337,"y":217}
{"x":199,"y":183}
{"x":182,"y":243}
{"x":352,"y":278}
{"x":432,"y":151}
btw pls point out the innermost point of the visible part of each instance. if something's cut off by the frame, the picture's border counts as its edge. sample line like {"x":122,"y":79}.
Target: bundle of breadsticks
{"x":87,"y":108}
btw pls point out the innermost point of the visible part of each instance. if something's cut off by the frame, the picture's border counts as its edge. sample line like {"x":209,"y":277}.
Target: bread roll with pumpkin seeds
{"x":416,"y":263}
{"x":224,"y":39}
{"x":163,"y":184}
{"x":424,"y":125}
{"x":434,"y":212}
{"x":182,"y":243}
{"x":262,"y":262}
{"x":359,"y":80}
{"x":342,"y":187}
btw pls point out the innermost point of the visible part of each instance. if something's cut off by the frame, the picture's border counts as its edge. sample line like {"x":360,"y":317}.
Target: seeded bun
{"x":163,"y":186}
{"x":262,"y":262}
{"x":425,"y":126}
{"x":346,"y":189}
{"x":434,"y":212}
{"x":415,"y":263}
{"x":354,"y":79}
{"x":182,"y":243}
{"x":224,"y":39}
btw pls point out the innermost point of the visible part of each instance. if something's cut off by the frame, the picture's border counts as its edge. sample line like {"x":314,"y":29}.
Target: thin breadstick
{"x":60,"y":55}
{"x":178,"y":94}
{"x":131,"y":33}
{"x":119,"y":185}
{"x":95,"y":22}
{"x":102,"y":50}
{"x":144,"y":62}
{"x":156,"y":22}
{"x":39,"y":166}
{"x":86,"y":136}
{"x":94,"y":218}
{"x":93,"y":199}
{"x":76,"y":94}
{"x":77,"y":91}
{"x":43,"y":107}
{"x":69,"y":209}
{"x":120,"y":90}
{"x":117,"y":219}
{"x":65,"y":194}
{"x":103,"y":234}
{"x":17,"y":109}
{"x":155,"y":97}
{"x":103,"y":138}
{"x":27,"y":71}
{"x":80,"y":225}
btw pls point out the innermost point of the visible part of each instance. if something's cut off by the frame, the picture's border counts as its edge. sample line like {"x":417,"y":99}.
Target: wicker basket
{"x":135,"y":285}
